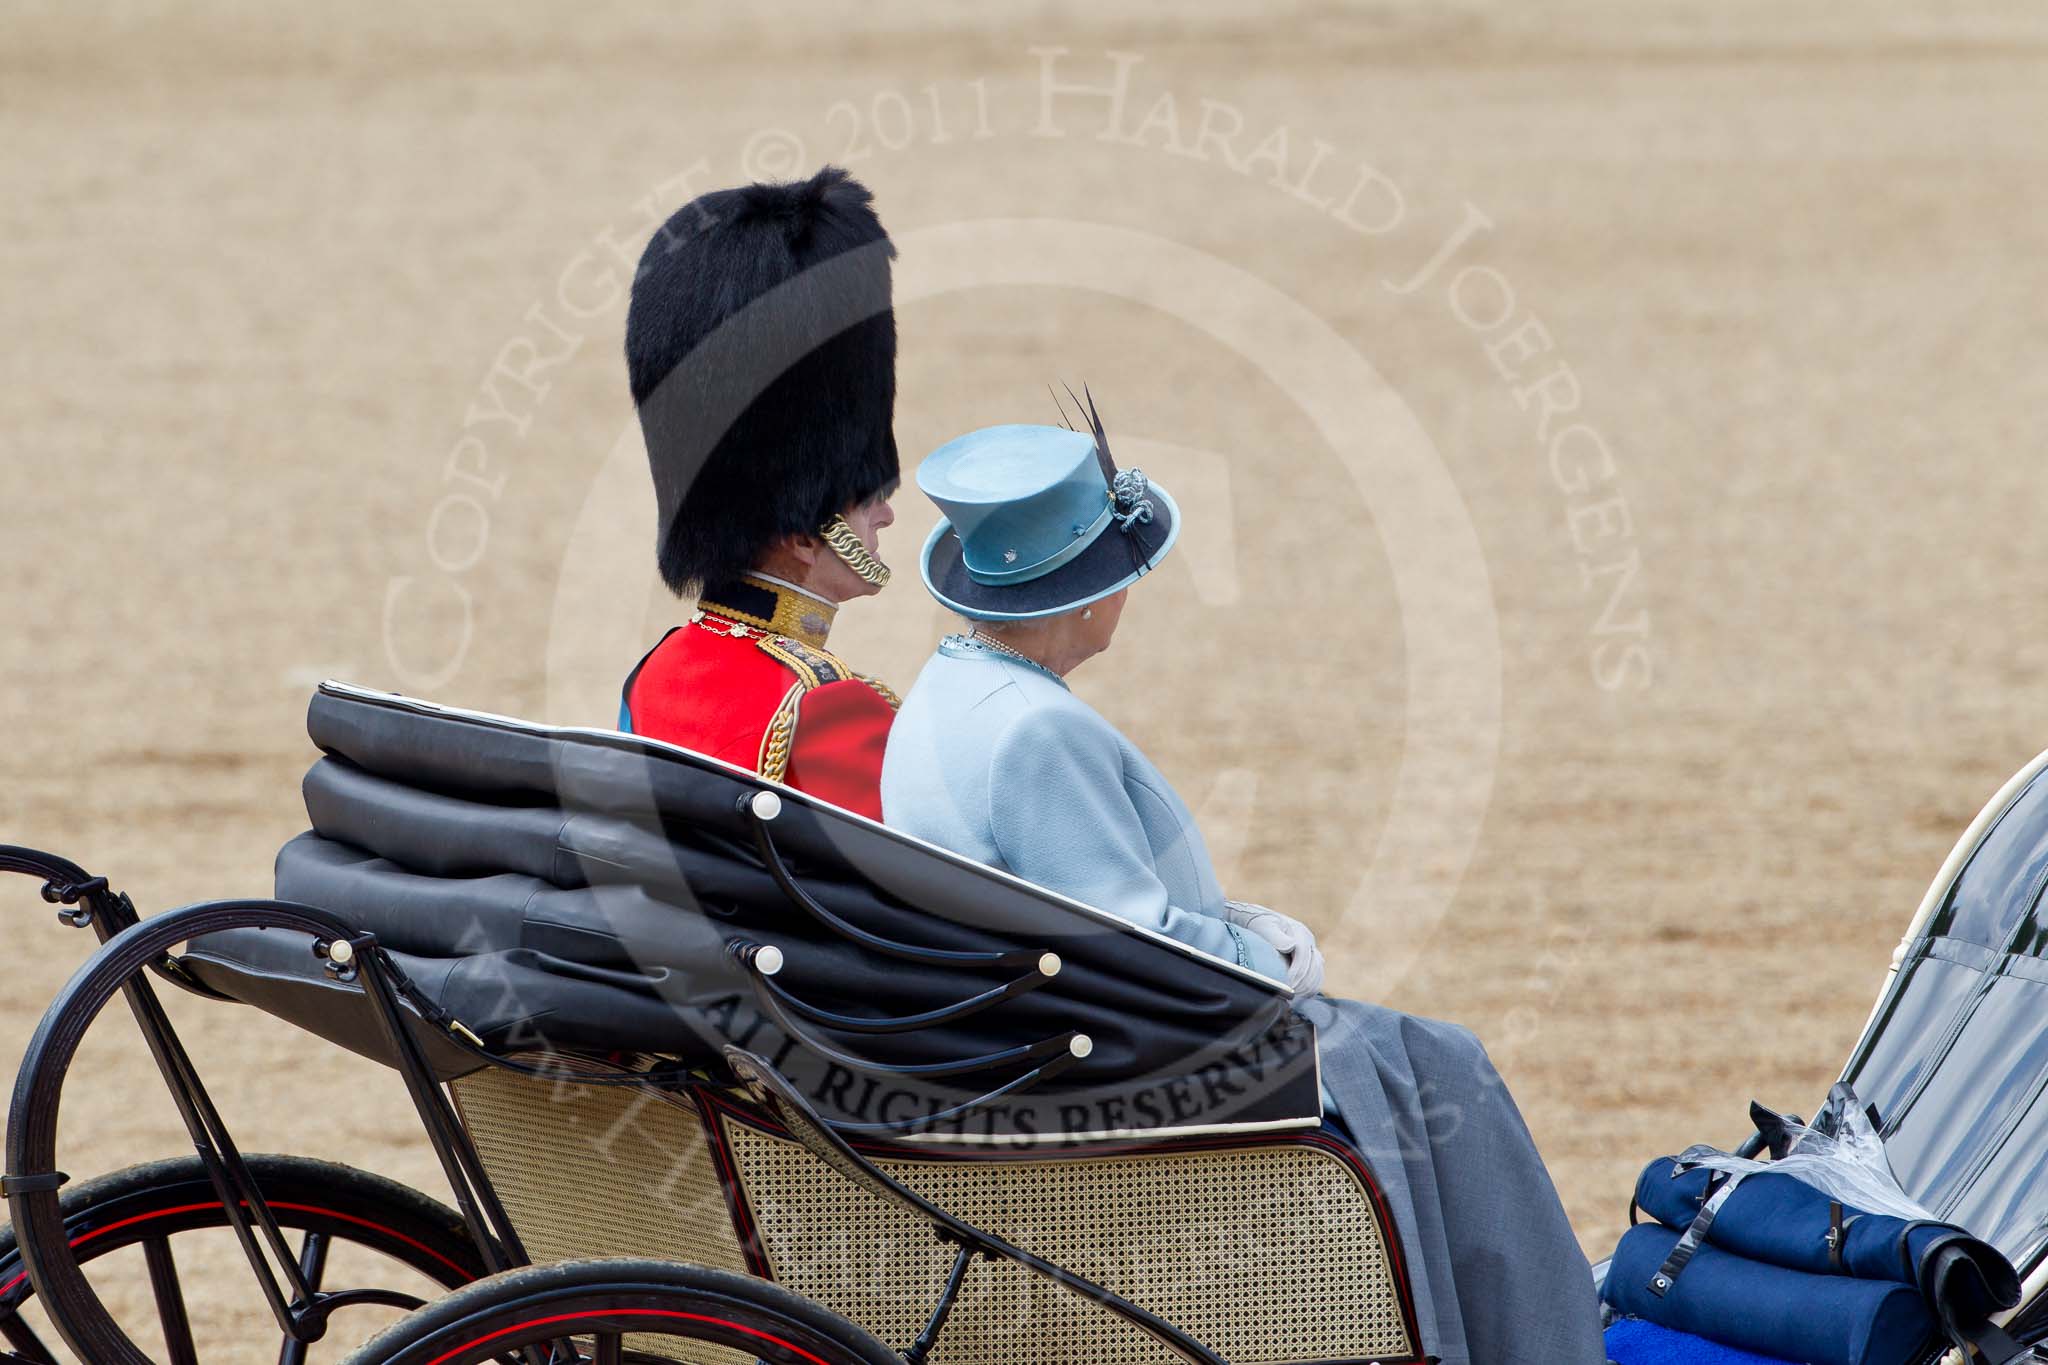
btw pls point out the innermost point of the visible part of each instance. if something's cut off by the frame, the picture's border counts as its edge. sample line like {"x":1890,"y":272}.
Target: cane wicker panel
{"x":1265,"y":1252}
{"x":589,"y":1170}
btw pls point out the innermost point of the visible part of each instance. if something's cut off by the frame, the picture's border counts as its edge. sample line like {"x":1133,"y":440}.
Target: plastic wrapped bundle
{"x":1818,"y":1256}
{"x":1778,"y":1220}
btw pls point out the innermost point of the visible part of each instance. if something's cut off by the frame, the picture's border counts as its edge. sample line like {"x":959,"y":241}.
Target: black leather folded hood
{"x":575,"y":890}
{"x":1954,"y":1060}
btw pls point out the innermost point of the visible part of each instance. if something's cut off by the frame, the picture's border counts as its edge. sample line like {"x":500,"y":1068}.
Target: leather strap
{"x":1996,"y":1347}
{"x":42,"y":1183}
{"x":1690,"y":1241}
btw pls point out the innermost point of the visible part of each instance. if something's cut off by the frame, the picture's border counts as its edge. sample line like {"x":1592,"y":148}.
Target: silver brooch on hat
{"x":1127,"y":488}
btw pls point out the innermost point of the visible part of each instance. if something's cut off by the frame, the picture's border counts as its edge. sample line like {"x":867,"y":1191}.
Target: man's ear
{"x":804,"y":549}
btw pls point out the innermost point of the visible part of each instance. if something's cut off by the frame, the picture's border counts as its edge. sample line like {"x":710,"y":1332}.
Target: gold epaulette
{"x":813,"y":667}
{"x":887,"y":693}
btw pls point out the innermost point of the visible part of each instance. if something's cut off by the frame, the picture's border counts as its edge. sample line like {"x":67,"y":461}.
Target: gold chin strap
{"x":853,"y":553}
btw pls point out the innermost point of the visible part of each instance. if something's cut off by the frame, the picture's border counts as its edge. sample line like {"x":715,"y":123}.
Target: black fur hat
{"x":762,"y":352}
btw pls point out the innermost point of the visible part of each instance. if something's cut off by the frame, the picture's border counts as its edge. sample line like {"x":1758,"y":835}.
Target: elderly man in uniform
{"x":761,"y":348}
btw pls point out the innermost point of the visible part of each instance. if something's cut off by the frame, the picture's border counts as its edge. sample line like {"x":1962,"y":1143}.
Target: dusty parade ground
{"x":1609,"y":440}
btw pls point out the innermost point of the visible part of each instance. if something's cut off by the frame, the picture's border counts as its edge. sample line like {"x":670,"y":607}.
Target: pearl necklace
{"x":980,"y":641}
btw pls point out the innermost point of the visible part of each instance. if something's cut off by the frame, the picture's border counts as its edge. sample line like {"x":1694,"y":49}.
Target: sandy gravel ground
{"x":1610,"y":439}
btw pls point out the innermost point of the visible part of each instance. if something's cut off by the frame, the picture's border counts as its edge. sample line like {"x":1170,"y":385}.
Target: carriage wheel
{"x":620,"y":1311}
{"x":152,"y":1206}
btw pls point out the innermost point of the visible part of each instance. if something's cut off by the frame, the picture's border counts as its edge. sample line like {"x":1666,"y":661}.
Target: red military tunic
{"x":748,"y":681}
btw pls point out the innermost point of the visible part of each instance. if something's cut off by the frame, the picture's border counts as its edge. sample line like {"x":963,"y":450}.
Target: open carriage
{"x":720,"y":1073}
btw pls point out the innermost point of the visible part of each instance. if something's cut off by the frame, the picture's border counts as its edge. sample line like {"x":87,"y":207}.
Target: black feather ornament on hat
{"x":1127,"y":487}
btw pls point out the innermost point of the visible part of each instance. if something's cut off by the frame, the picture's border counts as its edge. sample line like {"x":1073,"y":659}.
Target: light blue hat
{"x":1038,"y":521}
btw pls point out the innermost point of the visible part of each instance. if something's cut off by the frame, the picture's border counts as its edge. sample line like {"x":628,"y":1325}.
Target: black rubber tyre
{"x":157,"y":1201}
{"x":600,"y":1302}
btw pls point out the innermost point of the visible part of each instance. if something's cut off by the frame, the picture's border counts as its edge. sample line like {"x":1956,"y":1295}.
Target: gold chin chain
{"x":852,"y":553}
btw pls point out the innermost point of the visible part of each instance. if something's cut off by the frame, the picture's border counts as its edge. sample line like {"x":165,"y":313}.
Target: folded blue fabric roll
{"x":1791,"y":1314}
{"x":1782,"y":1221}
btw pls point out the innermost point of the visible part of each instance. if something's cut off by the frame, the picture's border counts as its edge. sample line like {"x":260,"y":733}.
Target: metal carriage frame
{"x":626,"y":1293}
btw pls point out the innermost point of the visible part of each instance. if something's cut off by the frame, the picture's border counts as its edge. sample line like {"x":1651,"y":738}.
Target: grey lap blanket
{"x":1497,"y":1274}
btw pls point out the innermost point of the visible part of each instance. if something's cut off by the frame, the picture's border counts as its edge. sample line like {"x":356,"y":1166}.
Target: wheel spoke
{"x":27,"y":1345}
{"x":312,"y":1269}
{"x":313,"y":1259}
{"x":292,"y":1352}
{"x":609,"y":1349}
{"x":170,"y":1302}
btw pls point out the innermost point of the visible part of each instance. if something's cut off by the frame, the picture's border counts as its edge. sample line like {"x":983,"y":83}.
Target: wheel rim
{"x":619,"y":1313}
{"x":608,"y":1328}
{"x":156,"y":1216}
{"x":38,"y":1221}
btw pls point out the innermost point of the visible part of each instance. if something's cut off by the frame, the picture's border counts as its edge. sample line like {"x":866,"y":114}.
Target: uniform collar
{"x":772,"y":605}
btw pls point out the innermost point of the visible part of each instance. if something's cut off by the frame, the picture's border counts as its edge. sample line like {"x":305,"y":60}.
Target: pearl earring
{"x":1087,"y":613}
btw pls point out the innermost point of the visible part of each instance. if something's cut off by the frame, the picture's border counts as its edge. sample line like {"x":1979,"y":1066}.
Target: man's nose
{"x":885,"y":516}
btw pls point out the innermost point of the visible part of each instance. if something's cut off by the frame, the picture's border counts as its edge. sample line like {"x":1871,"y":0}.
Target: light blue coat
{"x":995,"y":759}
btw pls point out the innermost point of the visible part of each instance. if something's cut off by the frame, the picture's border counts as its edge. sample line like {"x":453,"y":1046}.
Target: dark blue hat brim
{"x":1113,"y":561}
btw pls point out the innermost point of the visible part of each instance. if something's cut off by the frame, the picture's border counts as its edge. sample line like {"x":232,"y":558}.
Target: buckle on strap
{"x":42,"y":1183}
{"x":1690,"y":1241}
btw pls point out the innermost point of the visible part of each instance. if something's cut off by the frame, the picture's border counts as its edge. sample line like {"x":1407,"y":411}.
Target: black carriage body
{"x":615,"y":924}
{"x":577,"y":890}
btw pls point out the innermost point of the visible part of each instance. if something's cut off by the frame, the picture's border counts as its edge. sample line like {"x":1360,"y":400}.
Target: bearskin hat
{"x":761,"y":348}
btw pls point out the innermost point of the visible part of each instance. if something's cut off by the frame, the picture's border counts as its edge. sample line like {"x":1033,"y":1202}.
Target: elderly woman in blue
{"x":991,"y":717}
{"x":993,"y":757}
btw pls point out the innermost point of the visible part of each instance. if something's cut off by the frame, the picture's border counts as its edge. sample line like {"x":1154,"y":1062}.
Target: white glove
{"x":1295,"y":942}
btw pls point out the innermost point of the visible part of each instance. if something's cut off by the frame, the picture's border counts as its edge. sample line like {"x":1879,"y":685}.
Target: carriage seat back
{"x":575,"y":890}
